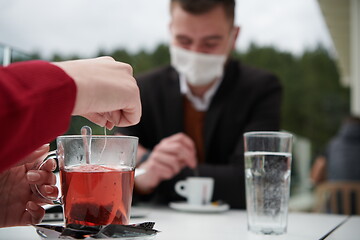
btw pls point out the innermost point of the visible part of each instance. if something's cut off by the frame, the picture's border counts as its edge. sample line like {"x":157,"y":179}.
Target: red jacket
{"x":36,"y":102}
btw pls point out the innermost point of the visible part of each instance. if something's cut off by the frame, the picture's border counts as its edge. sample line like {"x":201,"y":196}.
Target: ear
{"x":170,"y":26}
{"x":170,"y":29}
{"x":236,"y":32}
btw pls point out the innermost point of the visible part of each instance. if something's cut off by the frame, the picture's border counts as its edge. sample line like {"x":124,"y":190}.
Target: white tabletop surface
{"x":350,"y":230}
{"x":228,"y":225}
{"x":233,"y":225}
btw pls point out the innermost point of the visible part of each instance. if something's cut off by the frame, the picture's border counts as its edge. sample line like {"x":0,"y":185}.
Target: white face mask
{"x":198,"y":68}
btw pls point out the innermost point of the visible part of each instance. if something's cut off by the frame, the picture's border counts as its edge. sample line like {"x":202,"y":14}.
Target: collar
{"x":200,"y":104}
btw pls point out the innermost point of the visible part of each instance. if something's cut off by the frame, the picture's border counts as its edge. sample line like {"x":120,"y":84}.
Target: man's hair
{"x":203,"y":6}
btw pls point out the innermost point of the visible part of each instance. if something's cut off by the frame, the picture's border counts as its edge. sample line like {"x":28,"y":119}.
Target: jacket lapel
{"x":218,"y":103}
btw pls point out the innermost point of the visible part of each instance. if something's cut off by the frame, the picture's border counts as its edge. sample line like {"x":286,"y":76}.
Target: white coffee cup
{"x":197,"y":190}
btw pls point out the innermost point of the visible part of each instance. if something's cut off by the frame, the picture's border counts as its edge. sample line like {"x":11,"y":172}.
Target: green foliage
{"x":314,"y":103}
{"x":141,"y":61}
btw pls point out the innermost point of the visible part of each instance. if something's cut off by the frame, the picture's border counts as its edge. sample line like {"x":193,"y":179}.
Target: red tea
{"x":97,"y":195}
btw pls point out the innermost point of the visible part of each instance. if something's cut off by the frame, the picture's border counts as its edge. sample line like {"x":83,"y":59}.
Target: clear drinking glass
{"x":267,"y":176}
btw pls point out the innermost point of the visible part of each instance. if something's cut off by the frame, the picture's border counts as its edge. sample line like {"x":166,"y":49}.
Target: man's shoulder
{"x":158,"y":81}
{"x":158,"y":74}
{"x":251,"y":72}
{"x":253,"y":78}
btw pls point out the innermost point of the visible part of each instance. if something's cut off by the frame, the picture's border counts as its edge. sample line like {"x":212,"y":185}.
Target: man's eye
{"x":210,"y":45}
{"x":184,"y":42}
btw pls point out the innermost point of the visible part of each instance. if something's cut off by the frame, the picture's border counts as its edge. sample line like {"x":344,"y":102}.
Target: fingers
{"x":168,"y":161}
{"x":181,"y":146}
{"x":110,"y":125}
{"x":184,"y":139}
{"x":162,"y":172}
{"x":114,"y":117}
{"x":49,"y":165}
{"x":33,"y":214}
{"x":156,"y":173}
{"x":105,"y":85}
{"x":48,"y":191}
{"x":127,"y":68}
{"x":178,"y":151}
{"x":121,"y":118}
{"x":97,"y":118}
{"x":45,"y":180}
{"x":131,"y":114}
{"x":41,"y":177}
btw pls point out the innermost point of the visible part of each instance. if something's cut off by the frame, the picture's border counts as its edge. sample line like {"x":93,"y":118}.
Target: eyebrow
{"x":180,"y":36}
{"x":207,"y":38}
{"x":213,"y":37}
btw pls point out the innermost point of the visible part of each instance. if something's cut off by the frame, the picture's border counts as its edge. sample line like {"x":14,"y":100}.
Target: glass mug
{"x":96,"y":184}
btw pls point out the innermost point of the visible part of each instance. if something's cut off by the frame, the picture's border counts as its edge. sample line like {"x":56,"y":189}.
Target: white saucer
{"x":210,"y":208}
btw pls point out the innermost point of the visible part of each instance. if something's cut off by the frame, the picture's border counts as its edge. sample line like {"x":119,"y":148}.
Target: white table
{"x":232,"y":225}
{"x":348,"y":231}
{"x":229,"y":225}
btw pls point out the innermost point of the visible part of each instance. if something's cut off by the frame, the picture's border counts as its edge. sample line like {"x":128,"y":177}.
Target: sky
{"x":83,"y":27}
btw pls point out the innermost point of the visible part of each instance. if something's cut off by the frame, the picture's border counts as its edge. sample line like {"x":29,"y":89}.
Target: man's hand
{"x":166,"y":160}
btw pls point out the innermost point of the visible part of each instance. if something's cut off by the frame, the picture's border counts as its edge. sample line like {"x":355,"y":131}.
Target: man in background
{"x":340,"y":161}
{"x":196,"y":110}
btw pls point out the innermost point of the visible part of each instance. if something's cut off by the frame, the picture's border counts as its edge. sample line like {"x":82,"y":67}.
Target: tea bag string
{"x":102,"y":151}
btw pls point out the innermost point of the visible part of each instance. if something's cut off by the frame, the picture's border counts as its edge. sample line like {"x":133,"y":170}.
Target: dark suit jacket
{"x":247,"y":99}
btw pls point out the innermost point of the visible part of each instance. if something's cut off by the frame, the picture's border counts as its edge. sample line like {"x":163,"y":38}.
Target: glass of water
{"x":267,"y":176}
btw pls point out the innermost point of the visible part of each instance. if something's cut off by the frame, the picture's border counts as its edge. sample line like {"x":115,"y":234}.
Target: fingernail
{"x":32,"y":206}
{"x":48,"y":189}
{"x":32,"y":176}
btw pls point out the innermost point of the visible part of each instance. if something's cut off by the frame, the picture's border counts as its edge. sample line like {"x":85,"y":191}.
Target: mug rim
{"x":97,"y":137}
{"x":199,"y":178}
{"x":268,"y":134}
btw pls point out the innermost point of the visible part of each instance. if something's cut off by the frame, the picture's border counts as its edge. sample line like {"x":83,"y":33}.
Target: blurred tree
{"x":314,"y":103}
{"x":325,"y":102}
{"x":161,"y":55}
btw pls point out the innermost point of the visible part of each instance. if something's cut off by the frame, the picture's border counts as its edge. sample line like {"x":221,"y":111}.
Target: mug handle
{"x":180,"y":188}
{"x":35,"y":188}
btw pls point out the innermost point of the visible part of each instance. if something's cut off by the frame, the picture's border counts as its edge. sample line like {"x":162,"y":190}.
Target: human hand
{"x":18,"y":205}
{"x":107,"y":93}
{"x":166,"y":160}
{"x":318,"y":170}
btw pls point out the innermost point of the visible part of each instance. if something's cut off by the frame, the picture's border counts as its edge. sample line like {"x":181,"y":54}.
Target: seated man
{"x":340,"y":162}
{"x":196,"y":111}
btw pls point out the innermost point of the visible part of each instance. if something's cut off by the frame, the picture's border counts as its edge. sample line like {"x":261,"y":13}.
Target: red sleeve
{"x":36,"y":102}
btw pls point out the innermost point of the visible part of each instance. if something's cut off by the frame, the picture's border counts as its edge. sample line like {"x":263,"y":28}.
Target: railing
{"x":6,"y":52}
{"x":9,"y":54}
